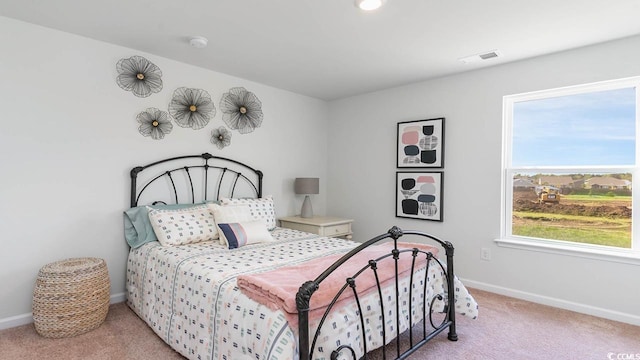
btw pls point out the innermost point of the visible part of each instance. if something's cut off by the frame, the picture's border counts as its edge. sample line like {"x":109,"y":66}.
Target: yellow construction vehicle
{"x":548,"y":194}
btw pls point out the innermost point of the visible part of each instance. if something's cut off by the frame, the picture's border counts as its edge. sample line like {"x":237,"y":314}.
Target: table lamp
{"x":307,"y":186}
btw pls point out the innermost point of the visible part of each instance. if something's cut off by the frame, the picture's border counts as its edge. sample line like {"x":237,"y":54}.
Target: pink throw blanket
{"x":277,"y":288}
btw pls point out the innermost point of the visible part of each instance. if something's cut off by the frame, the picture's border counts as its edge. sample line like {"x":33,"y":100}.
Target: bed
{"x":294,"y":295}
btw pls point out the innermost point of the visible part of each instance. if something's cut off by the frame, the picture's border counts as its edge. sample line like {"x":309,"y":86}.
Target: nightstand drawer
{"x":336,"y":230}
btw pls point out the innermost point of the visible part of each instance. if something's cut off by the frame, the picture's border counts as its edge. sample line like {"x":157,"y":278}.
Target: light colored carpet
{"x":506,"y":329}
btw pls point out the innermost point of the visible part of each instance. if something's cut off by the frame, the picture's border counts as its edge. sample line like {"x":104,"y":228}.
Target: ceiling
{"x":329,"y":49}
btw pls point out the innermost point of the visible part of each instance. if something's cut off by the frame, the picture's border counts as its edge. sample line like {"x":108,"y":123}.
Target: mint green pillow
{"x":137,"y":227}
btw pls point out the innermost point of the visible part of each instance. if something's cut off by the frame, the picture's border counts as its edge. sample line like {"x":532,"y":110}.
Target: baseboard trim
{"x":25,"y":319}
{"x":558,"y":303}
{"x":14,"y":321}
{"x":118,"y":298}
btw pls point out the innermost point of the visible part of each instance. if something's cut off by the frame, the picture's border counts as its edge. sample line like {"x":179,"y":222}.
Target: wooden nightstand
{"x":321,"y":225}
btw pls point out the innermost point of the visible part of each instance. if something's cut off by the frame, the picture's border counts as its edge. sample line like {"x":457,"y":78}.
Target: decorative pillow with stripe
{"x":183,"y":226}
{"x":237,"y":235}
{"x":262,"y":208}
{"x":230,"y":214}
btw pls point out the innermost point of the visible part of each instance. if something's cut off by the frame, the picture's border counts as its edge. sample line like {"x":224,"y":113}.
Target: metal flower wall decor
{"x":221,"y":137}
{"x":241,"y":110}
{"x":139,"y":75}
{"x":191,"y":107}
{"x":154,"y":123}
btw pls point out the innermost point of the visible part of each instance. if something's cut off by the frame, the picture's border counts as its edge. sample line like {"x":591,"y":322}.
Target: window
{"x":570,"y":168}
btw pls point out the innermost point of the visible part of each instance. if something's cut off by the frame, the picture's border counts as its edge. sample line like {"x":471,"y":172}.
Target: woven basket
{"x":71,"y":297}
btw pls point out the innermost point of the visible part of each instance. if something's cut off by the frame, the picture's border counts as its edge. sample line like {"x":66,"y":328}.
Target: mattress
{"x":188,"y":295}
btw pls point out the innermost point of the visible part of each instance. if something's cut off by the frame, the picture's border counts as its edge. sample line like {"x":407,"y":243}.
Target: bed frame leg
{"x":452,"y":333}
{"x":451,"y":306}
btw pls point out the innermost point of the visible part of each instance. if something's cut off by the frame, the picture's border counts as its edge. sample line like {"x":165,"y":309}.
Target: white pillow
{"x":236,"y":235}
{"x":230,"y":214}
{"x":183,"y":226}
{"x":262,"y":208}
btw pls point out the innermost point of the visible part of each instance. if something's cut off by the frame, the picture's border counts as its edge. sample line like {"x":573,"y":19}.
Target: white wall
{"x":69,"y":136}
{"x":362,"y":175}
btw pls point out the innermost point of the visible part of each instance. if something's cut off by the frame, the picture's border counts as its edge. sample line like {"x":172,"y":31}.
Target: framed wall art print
{"x":421,"y":144}
{"x":419,"y":195}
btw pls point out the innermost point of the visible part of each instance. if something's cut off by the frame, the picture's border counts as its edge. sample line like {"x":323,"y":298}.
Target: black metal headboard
{"x":199,"y":175}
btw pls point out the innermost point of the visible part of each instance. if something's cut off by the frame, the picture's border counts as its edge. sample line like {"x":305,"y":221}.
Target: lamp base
{"x":307,"y":210}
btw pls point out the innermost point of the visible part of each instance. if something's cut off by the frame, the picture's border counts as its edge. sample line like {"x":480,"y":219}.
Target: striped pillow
{"x":235,"y":235}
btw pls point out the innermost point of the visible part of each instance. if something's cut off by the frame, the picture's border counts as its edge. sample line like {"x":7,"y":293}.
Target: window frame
{"x":599,"y":252}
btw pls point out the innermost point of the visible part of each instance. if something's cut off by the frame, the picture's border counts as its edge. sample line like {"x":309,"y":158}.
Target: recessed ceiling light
{"x":198,"y":41}
{"x":369,"y":5}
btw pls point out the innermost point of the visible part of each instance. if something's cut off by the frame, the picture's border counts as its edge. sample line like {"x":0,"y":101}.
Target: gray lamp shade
{"x":305,"y":186}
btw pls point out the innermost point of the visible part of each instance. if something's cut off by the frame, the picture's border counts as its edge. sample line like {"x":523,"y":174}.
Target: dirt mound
{"x":612,"y":212}
{"x":528,"y":201}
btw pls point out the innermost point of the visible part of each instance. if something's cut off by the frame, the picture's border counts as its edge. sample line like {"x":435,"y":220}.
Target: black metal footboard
{"x":308,"y":340}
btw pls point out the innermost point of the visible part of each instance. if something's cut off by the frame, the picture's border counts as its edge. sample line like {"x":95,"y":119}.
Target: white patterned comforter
{"x":188,"y":296}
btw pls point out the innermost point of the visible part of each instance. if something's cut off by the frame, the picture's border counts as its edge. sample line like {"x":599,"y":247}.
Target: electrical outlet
{"x":485,"y":254}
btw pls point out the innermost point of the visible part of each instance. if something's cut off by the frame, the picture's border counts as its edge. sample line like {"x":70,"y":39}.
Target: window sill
{"x":594,"y":252}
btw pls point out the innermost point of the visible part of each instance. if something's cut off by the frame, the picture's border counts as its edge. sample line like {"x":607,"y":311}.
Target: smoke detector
{"x":480,"y":57}
{"x":198,"y":41}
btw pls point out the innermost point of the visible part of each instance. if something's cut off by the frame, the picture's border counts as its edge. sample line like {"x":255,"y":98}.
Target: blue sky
{"x":596,"y":128}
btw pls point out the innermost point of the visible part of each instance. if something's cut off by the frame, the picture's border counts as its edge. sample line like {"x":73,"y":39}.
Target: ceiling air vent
{"x":488,"y":55}
{"x":479,"y":57}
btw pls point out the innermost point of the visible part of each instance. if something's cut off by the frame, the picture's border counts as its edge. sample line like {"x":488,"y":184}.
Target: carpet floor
{"x":507,"y":328}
